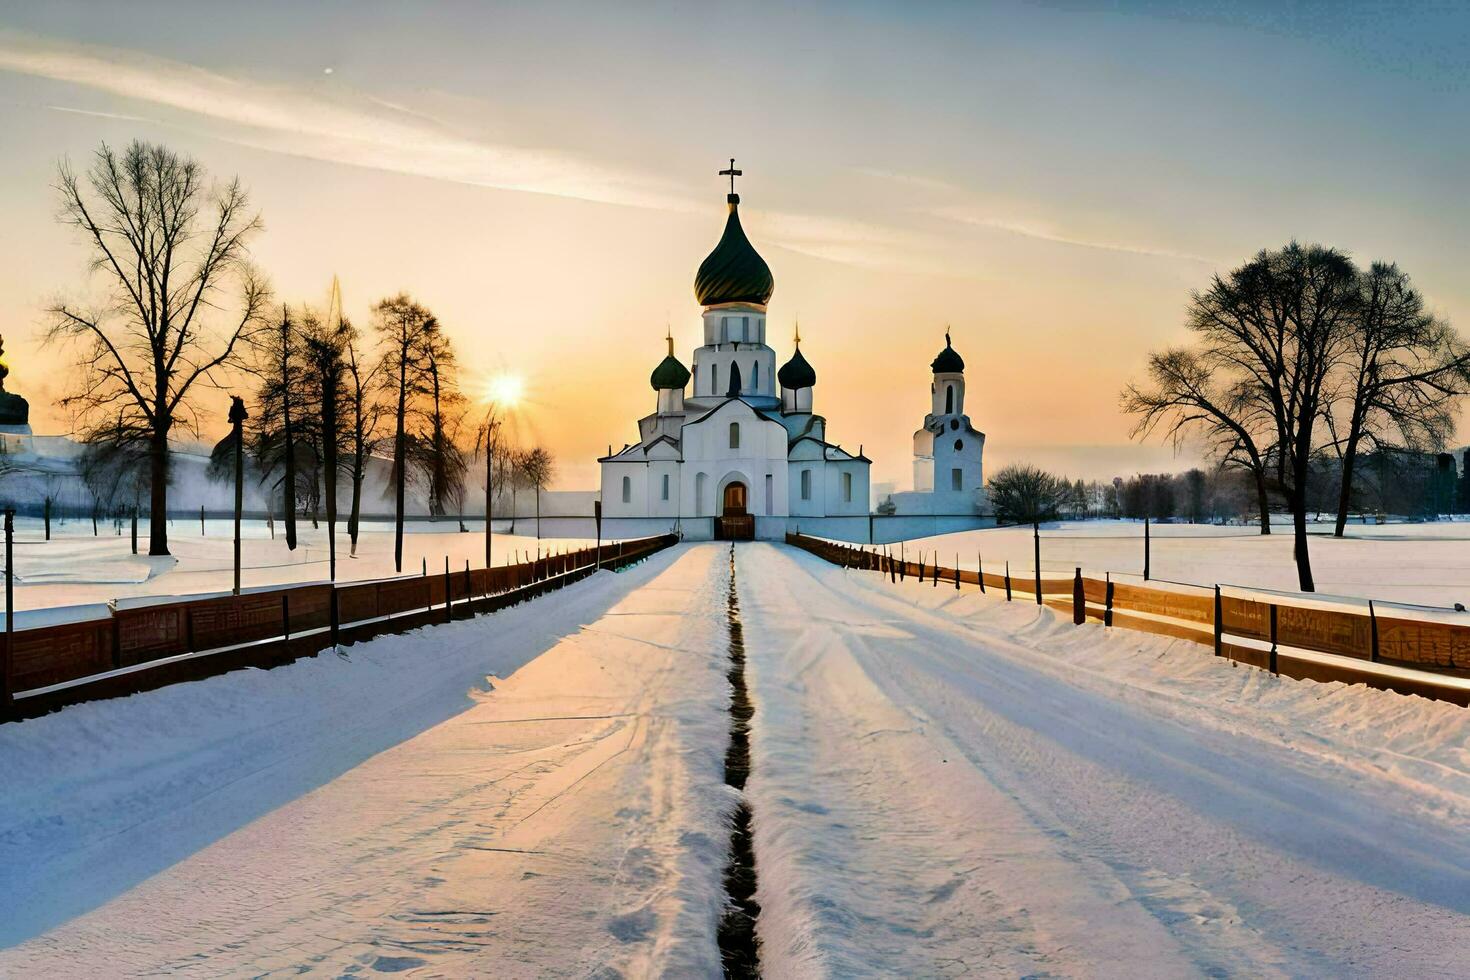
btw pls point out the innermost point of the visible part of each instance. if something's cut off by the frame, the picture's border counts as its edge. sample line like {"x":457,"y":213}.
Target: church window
{"x":959,"y":444}
{"x":724,"y":329}
{"x":957,"y":479}
{"x":847,"y":488}
{"x":755,"y":376}
{"x":948,"y":399}
{"x":666,"y":486}
{"x":714,"y":379}
{"x":734,"y":435}
{"x":806,"y":484}
{"x":745,"y":328}
{"x":954,"y":424}
{"x":627,"y":490}
{"x":699,"y":481}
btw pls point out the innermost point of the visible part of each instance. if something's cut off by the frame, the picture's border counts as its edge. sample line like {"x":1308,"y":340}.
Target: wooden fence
{"x":150,"y":644}
{"x":1426,"y":657}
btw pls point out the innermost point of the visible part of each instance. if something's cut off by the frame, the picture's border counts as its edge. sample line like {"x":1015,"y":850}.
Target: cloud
{"x":327,"y":121}
{"x":969,"y":212}
{"x":965,"y":214}
{"x":332,"y":124}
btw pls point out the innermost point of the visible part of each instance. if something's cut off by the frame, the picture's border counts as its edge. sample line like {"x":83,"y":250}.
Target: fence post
{"x":286,"y":615}
{"x":980,"y":572}
{"x":335,"y":615}
{"x":892,"y":571}
{"x":1108,"y":607}
{"x":135,"y":529}
{"x":448,"y":593}
{"x":468,"y":583}
{"x":1145,"y":548}
{"x":1219,"y":625}
{"x":1079,"y":600}
{"x":46,"y":514}
{"x":201,"y":520}
{"x":1372,"y":632}
{"x":1008,"y":580}
{"x":1273,"y":639}
{"x":1036,"y":534}
{"x":7,"y":670}
{"x":937,"y":570}
{"x":957,"y":571}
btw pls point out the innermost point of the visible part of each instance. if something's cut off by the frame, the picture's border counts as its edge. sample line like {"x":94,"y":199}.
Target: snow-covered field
{"x":75,"y":567}
{"x":1427,"y":564}
{"x":943,"y":784}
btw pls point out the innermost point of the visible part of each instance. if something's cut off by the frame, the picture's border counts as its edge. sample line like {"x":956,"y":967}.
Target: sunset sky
{"x":1050,"y":180}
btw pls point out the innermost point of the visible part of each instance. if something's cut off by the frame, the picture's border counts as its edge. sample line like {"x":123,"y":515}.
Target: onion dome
{"x":734,"y":272}
{"x":949,"y":361}
{"x":669,"y":373}
{"x":797,"y":373}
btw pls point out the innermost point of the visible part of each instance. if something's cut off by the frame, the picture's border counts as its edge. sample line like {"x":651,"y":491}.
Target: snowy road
{"x":572,"y":820}
{"x":946,"y":785}
{"x":942,"y":784}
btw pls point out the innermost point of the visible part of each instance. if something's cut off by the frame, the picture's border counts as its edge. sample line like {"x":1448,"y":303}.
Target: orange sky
{"x":1050,"y":186}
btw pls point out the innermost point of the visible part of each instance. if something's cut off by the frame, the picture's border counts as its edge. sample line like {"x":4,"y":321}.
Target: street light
{"x":238,"y":416}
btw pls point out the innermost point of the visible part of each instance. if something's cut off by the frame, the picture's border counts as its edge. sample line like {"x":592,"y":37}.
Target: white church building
{"x":734,"y":449}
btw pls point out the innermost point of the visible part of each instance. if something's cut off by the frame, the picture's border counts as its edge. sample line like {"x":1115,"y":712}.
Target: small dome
{"x":669,"y":374}
{"x":734,"y":272}
{"x":796,"y":373}
{"x":949,"y":361}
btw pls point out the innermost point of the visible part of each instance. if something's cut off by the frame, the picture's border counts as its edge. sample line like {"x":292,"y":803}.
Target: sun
{"x":505,"y":390}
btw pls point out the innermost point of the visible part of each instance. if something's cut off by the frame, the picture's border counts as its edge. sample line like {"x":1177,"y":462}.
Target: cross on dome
{"x":732,"y":173}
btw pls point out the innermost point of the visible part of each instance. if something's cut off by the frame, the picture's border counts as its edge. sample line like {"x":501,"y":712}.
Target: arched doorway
{"x":735,"y":522}
{"x":735,"y":500}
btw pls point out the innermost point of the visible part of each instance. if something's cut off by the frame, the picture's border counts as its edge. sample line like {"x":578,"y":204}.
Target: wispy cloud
{"x":963,"y":208}
{"x":336,"y":125}
{"x":965,"y":214}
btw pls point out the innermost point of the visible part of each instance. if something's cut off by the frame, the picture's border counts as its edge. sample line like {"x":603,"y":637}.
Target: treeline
{"x":1305,"y":370}
{"x":1416,"y":486}
{"x":187,"y":313}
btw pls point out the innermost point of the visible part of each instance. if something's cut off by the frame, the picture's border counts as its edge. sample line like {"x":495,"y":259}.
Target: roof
{"x":734,"y":272}
{"x":796,"y":373}
{"x":948,"y":361}
{"x":670,"y":373}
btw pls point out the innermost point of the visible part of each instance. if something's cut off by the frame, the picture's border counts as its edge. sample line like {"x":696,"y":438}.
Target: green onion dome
{"x":796,"y":373}
{"x":949,"y":361}
{"x":734,"y":272}
{"x":669,"y":373}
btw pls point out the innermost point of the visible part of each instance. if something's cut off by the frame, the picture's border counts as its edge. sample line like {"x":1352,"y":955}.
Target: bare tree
{"x":282,"y":424}
{"x":1184,"y":397}
{"x":1270,"y":334}
{"x":168,"y":247}
{"x":400,"y":323}
{"x":326,"y":346}
{"x":434,"y":447}
{"x":539,"y":467}
{"x":488,"y":437}
{"x":1403,"y":372}
{"x":364,"y":419}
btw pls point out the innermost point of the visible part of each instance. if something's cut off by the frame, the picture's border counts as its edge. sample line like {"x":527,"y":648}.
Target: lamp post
{"x":238,"y":416}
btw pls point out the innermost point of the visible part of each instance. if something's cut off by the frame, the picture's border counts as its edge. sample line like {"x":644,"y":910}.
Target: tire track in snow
{"x":739,"y":947}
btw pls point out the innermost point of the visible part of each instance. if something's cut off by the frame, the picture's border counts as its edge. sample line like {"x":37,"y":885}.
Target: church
{"x":735,"y":448}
